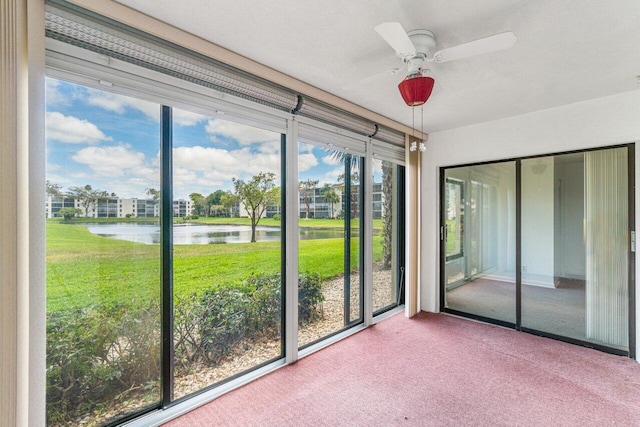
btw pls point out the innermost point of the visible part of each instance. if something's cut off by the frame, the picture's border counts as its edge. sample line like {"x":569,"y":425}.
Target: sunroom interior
{"x":509,"y":197}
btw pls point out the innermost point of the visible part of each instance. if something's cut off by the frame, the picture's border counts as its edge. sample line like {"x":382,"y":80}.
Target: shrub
{"x":107,"y":353}
{"x":309,"y":297}
{"x":222,"y":315}
{"x":276,"y":217}
{"x":209,"y":325}
{"x":68,"y":214}
{"x":99,"y":353}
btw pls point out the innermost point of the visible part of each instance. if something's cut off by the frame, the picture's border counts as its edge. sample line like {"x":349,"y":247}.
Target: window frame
{"x":78,"y":66}
{"x":460,"y":210}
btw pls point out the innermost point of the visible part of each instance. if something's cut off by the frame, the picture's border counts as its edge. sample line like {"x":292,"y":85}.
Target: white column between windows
{"x":22,"y":234}
{"x":412,"y":245}
{"x":291,"y":243}
{"x":368,"y":232}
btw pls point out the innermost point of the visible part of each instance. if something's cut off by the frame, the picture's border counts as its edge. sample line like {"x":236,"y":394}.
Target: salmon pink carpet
{"x":437,"y":370}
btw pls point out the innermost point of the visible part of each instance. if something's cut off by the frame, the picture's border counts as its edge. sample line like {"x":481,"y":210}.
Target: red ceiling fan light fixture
{"x":416,"y":90}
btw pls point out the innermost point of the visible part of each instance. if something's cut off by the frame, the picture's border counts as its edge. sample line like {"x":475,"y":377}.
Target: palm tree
{"x":307,"y":191}
{"x":387,"y":213}
{"x":387,"y":189}
{"x":330,"y":194}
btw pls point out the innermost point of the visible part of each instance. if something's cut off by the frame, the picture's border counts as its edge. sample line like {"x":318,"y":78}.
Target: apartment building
{"x":115,"y":207}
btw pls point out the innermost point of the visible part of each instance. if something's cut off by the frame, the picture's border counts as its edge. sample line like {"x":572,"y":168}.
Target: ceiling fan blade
{"x":486,"y":45}
{"x":373,"y":78}
{"x":396,"y":36}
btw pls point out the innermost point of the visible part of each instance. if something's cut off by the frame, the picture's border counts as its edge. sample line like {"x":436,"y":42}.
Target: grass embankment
{"x":83,"y":268}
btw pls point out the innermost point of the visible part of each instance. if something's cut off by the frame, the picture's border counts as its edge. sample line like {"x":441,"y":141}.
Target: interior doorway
{"x":543,"y":245}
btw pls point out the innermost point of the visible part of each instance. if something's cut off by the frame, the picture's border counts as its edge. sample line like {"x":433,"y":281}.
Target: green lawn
{"x":453,"y":240}
{"x":83,"y":268}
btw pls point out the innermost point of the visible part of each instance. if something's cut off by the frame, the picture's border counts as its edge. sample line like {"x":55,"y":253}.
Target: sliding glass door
{"x":543,"y":245}
{"x":575,"y":246}
{"x":479,"y":240}
{"x":330,"y":246}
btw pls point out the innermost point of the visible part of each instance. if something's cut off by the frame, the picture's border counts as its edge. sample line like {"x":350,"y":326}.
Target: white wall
{"x":599,"y":122}
{"x":569,"y":253}
{"x":537,"y":222}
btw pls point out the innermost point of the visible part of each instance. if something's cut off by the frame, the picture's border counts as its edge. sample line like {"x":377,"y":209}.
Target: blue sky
{"x":112,"y":142}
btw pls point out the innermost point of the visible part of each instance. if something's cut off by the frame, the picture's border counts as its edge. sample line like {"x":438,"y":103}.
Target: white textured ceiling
{"x":567,"y":50}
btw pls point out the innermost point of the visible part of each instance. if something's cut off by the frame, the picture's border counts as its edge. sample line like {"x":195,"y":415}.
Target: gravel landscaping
{"x":250,"y":353}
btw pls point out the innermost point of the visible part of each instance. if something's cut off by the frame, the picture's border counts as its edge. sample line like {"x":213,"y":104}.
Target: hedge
{"x":111,"y":353}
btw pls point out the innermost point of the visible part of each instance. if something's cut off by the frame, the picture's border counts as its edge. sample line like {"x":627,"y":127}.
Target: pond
{"x":196,"y":234}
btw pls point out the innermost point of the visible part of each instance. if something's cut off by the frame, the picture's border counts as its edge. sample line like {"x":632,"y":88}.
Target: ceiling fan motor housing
{"x":416,"y":88}
{"x":424,"y":42}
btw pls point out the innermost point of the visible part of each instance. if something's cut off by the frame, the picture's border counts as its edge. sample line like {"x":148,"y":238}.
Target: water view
{"x":196,"y":234}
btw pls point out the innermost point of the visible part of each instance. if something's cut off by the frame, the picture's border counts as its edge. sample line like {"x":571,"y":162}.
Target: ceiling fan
{"x":419,"y":46}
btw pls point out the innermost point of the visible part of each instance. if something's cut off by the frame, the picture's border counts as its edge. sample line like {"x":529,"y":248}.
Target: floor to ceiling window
{"x":171,"y":238}
{"x":103,"y":255}
{"x":165,"y":243}
{"x":544,"y":245}
{"x":227,"y":281}
{"x":388,"y":242}
{"x":330,"y":192}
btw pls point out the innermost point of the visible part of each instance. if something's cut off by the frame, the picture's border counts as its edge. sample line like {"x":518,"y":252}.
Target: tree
{"x":199,"y":203}
{"x":155,"y":194}
{"x":228,"y":201}
{"x":255,"y":195}
{"x":329,"y":193}
{"x":353,"y":190}
{"x":87,"y":196}
{"x":354,"y":167}
{"x":53,"y":190}
{"x":214,"y":199}
{"x":68,"y":213}
{"x":307,"y":191}
{"x":387,"y":213}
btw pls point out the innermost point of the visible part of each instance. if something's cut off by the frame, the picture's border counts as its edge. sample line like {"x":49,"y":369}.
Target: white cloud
{"x":306,"y":161}
{"x":206,"y":169}
{"x":332,"y":176}
{"x":72,"y":130}
{"x":52,"y":94}
{"x":204,"y":158}
{"x":377,"y":167}
{"x":331,"y":160}
{"x":272,"y":147}
{"x":187,"y":118}
{"x":119,"y":103}
{"x":59,"y":179}
{"x":116,"y":169}
{"x":303,"y":147}
{"x":245,"y":135}
{"x":226,"y":163}
{"x":109,"y":161}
